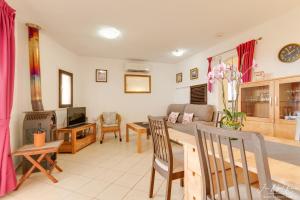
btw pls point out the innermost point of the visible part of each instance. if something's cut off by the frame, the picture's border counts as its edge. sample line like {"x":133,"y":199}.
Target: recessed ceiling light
{"x":178,"y":52}
{"x":109,"y":33}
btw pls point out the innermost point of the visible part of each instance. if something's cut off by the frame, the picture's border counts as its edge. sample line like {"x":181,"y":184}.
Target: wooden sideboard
{"x":284,"y":175}
{"x":271,"y":106}
{"x":73,"y":143}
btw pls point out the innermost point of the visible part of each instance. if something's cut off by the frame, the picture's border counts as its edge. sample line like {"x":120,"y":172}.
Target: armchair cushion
{"x":110,"y":118}
{"x":110,"y":125}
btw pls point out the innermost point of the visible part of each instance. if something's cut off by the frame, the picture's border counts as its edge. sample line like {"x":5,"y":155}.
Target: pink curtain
{"x":7,"y":70}
{"x":246,"y":54}
{"x":209,"y":84}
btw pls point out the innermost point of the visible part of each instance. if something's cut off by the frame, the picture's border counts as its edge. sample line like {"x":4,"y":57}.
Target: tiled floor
{"x":110,"y":171}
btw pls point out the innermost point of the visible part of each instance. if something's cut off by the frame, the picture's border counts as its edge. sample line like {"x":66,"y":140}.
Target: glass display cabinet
{"x":287,"y":106}
{"x":256,"y":101}
{"x":289,"y":100}
{"x":271,"y":106}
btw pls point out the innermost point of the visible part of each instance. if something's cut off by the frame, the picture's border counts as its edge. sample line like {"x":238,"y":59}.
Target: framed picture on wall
{"x":194,"y":73}
{"x":134,"y":83}
{"x":179,"y":78}
{"x":101,"y":75}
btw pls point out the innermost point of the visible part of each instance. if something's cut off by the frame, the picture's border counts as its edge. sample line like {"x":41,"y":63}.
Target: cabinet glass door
{"x":289,"y":100}
{"x":255,"y":101}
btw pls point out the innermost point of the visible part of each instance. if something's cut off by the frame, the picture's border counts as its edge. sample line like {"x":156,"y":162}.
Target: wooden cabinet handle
{"x":193,"y":173}
{"x":194,"y":150}
{"x":194,"y":198}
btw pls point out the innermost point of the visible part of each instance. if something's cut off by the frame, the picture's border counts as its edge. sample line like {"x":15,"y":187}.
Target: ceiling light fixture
{"x":219,"y":35}
{"x":109,"y":33}
{"x":178,"y":52}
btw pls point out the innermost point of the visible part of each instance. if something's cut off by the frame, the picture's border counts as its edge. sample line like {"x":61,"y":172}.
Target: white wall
{"x":97,"y":97}
{"x":53,"y":57}
{"x":100,"y":97}
{"x":108,"y":97}
{"x":276,"y":33}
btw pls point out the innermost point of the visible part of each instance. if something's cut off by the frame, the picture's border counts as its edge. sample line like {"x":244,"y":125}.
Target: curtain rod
{"x":260,"y":38}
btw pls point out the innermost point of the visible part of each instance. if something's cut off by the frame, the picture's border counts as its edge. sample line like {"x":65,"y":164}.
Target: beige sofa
{"x":203,"y":114}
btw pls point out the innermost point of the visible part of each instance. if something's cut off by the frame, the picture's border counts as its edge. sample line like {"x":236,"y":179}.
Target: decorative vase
{"x":39,"y":138}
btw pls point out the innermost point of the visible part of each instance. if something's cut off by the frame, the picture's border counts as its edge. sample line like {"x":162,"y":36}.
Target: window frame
{"x":60,"y":73}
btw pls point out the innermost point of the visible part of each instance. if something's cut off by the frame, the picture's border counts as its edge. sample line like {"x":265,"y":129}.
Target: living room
{"x":166,"y":46}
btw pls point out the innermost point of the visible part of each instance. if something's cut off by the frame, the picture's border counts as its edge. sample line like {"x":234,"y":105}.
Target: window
{"x":231,"y":86}
{"x":65,"y":89}
{"x":198,"y":94}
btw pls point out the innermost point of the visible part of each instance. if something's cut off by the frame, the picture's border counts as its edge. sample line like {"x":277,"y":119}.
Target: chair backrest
{"x":162,"y":149}
{"x":118,"y":118}
{"x":217,"y":147}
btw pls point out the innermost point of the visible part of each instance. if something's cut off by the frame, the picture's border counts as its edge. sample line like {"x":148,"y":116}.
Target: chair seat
{"x":243,"y":193}
{"x":110,"y":125}
{"x":178,"y":162}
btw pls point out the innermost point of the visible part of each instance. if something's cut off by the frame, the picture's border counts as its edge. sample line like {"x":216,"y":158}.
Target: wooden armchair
{"x":109,"y":128}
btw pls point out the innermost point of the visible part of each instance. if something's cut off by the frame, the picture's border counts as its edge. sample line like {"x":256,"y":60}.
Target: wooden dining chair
{"x":218,"y":147}
{"x":166,"y":162}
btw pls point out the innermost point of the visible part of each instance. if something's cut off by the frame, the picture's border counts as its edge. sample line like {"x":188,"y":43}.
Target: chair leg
{"x":169,"y":188}
{"x":120,"y":137}
{"x":115,"y":134}
{"x":152,"y":182}
{"x":101,"y":137}
{"x":182,"y":182}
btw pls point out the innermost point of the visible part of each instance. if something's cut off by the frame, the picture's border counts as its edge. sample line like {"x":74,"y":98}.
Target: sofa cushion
{"x":180,"y":118}
{"x":201,"y":112}
{"x":176,"y":108}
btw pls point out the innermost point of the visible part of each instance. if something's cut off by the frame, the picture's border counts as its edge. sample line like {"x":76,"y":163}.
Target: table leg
{"x":73,"y":141}
{"x":127,"y":133}
{"x":138,"y":143}
{"x":38,"y":165}
{"x":29,"y":172}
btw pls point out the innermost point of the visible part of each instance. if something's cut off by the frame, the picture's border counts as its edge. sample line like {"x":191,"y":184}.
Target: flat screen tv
{"x":76,"y":116}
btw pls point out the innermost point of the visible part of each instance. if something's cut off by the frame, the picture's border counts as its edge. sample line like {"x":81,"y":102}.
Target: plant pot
{"x":39,"y":139}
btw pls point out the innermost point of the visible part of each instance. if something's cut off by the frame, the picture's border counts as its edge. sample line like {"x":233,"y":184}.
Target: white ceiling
{"x":150,"y":29}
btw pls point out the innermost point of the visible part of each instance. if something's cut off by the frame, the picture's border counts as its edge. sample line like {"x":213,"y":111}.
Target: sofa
{"x":203,"y":114}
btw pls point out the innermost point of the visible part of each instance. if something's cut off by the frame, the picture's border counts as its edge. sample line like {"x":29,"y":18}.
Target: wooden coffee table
{"x":139,"y":130}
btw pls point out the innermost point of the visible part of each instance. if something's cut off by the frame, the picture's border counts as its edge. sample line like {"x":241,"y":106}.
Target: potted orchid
{"x":223,"y":74}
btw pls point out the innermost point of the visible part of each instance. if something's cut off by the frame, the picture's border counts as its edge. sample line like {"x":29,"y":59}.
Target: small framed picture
{"x":194,"y":73}
{"x":101,"y":75}
{"x":179,"y":78}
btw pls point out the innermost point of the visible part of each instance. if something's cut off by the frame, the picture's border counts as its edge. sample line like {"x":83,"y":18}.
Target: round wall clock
{"x":289,"y":53}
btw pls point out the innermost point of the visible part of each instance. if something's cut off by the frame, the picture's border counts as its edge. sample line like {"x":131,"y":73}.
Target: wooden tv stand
{"x":72,"y":144}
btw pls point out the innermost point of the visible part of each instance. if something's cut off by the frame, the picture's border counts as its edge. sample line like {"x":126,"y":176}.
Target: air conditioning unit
{"x":136,"y":68}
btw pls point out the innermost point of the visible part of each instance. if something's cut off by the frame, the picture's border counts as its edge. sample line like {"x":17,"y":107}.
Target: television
{"x":76,"y":116}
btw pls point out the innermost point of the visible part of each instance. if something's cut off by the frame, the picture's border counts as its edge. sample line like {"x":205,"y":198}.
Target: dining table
{"x":283,"y":158}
